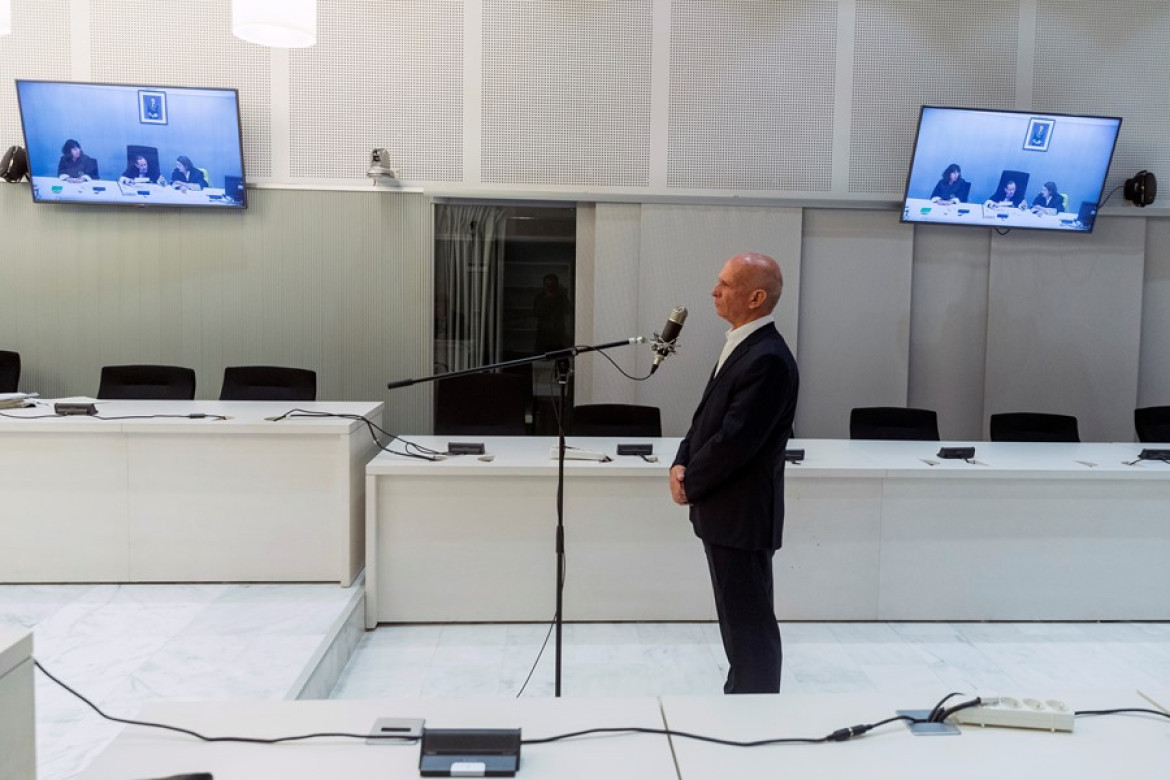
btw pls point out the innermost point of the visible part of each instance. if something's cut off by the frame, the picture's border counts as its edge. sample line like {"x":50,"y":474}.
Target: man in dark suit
{"x":730,"y":468}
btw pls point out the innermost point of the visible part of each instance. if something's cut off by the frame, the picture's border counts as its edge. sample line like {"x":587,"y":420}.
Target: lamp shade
{"x":285,"y":24}
{"x":5,"y":17}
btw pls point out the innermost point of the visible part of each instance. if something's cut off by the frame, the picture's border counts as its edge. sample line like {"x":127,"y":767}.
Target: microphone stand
{"x":564,"y":362}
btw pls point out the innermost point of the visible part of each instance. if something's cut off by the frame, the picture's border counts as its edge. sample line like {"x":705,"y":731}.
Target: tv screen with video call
{"x":133,"y":145}
{"x":1008,"y":169}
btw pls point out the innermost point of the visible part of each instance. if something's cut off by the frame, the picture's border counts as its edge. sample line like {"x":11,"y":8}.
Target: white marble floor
{"x":634,"y":659}
{"x":122,"y":645}
{"x":125,"y":645}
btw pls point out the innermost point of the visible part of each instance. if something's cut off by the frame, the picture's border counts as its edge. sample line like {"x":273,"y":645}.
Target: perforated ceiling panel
{"x":186,"y":43}
{"x":566,"y":92}
{"x":37,"y":27}
{"x":751,"y":95}
{"x":1109,"y":59}
{"x":910,"y":54}
{"x":382,"y":75}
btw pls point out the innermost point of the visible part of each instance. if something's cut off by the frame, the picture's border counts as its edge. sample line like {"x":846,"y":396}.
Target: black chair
{"x":268,"y":383}
{"x":136,"y":383}
{"x":481,"y":405}
{"x":617,"y":420}
{"x":1033,"y":426}
{"x":9,"y":371}
{"x":1152,"y":424}
{"x":1021,"y":180}
{"x":893,"y":423}
{"x":133,"y":151}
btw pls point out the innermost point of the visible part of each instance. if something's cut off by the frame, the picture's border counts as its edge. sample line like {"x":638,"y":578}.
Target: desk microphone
{"x":664,"y":344}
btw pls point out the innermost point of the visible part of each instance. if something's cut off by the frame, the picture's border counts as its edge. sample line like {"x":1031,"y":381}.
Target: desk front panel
{"x":64,"y":507}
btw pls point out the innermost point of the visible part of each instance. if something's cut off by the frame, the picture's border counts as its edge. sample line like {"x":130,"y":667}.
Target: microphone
{"x":664,"y":344}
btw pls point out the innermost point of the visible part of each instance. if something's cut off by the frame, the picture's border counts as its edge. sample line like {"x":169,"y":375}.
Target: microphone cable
{"x":839,"y":735}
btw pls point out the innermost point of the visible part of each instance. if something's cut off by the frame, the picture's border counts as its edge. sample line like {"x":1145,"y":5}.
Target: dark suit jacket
{"x":734,"y":451}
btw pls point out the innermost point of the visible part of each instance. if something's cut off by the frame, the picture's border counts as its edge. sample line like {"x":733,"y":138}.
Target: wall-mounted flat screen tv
{"x":1008,"y":169}
{"x":133,"y":145}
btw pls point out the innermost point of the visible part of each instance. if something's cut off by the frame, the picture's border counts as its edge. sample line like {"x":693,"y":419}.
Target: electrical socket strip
{"x":1049,"y":715}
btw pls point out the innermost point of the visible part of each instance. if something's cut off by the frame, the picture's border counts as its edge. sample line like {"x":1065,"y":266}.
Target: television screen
{"x":1008,"y":169}
{"x":127,"y":145}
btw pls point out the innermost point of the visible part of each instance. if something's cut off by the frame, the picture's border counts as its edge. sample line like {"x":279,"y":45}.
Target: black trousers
{"x":742,"y":581}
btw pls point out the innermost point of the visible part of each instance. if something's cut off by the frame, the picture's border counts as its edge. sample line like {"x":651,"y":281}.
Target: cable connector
{"x":840,"y":735}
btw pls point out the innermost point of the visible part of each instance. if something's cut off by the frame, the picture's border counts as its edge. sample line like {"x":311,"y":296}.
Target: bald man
{"x":730,"y":468}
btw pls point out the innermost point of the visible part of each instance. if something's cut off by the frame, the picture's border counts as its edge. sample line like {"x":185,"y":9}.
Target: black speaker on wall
{"x":14,"y":164}
{"x":1142,"y":188}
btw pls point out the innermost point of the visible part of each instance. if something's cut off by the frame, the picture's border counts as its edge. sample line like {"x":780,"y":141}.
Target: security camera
{"x":380,"y":166}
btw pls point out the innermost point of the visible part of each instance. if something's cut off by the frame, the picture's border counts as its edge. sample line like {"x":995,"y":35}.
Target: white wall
{"x":687,"y":129}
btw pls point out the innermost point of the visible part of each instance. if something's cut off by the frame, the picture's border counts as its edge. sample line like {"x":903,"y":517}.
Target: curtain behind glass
{"x":468,"y":269}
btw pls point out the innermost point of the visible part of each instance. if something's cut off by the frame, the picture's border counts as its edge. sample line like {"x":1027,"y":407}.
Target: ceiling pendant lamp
{"x":284,"y":24}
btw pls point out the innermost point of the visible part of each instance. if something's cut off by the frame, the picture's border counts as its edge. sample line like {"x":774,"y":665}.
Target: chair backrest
{"x":1034,"y":426}
{"x":617,"y":420}
{"x":149,"y":152}
{"x":268,"y":383}
{"x":893,"y":423}
{"x":964,"y":191}
{"x":1152,"y":424}
{"x":147,"y":382}
{"x":9,"y":371}
{"x":482,"y":405}
{"x":1019,"y":177}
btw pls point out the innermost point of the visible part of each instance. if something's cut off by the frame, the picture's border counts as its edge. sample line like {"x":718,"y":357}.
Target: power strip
{"x":1049,"y":715}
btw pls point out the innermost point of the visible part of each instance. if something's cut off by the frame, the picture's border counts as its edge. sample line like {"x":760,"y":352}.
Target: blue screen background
{"x":203,"y":124}
{"x":986,"y":143}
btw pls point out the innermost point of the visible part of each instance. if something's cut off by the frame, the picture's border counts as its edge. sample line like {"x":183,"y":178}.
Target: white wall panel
{"x":566,"y":92}
{"x":382,"y":75}
{"x":948,"y":327}
{"x":751,"y":95}
{"x":1064,"y":321}
{"x":615,"y":294}
{"x":854,"y":317}
{"x":1154,"y":380}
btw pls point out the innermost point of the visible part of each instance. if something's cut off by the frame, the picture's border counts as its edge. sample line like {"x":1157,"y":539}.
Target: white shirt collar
{"x":736,"y":336}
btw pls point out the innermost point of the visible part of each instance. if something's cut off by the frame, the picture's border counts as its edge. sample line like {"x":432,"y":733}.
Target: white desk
{"x":1098,"y":747}
{"x":111,"y":192}
{"x":140,"y":752}
{"x":18,"y":759}
{"x":923,"y":210}
{"x":874,"y":531}
{"x":184,"y":500}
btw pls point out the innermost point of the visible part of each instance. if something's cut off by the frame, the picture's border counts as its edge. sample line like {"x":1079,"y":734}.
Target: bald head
{"x":748,"y":288}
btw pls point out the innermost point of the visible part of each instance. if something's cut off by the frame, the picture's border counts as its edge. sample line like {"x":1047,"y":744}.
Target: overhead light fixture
{"x":380,"y":166}
{"x":283,"y":24}
{"x":5,"y":17}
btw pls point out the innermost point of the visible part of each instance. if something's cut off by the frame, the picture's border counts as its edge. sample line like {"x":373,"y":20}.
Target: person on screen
{"x":950,"y":187}
{"x":1007,"y":195}
{"x":76,"y":166}
{"x":186,"y":176}
{"x":1049,"y":201}
{"x":729,"y":470}
{"x":140,"y":171}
